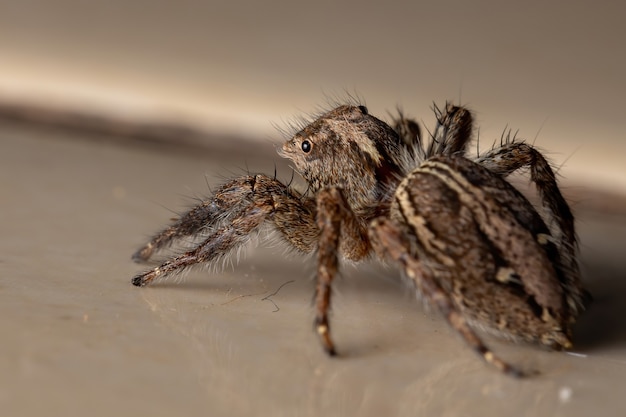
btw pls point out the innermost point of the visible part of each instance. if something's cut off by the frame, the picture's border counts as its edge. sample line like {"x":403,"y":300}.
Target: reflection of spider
{"x":475,"y":248}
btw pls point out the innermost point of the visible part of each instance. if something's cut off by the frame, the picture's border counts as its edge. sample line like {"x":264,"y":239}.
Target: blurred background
{"x":96,"y":95}
{"x":554,"y":70}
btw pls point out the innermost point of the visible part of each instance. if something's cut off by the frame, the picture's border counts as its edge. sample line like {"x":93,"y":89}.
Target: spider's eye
{"x":306,"y":146}
{"x":363,"y":109}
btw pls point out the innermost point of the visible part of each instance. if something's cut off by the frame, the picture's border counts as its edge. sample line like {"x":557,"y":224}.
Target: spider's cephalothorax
{"x":351,"y":149}
{"x":473,"y":245}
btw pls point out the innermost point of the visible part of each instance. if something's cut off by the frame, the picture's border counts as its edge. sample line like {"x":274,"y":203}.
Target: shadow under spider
{"x":602,"y":325}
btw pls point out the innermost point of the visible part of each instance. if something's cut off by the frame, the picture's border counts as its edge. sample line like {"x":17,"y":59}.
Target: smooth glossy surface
{"x":78,"y":339}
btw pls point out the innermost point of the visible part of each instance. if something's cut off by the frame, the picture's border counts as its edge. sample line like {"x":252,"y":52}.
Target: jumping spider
{"x":473,"y":245}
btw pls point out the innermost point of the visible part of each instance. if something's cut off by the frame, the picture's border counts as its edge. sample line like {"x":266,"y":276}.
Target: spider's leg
{"x":389,"y":242}
{"x":219,"y":244}
{"x":453,"y":131}
{"x":411,"y":134}
{"x":190,"y":223}
{"x":225,"y":202}
{"x":237,"y":210}
{"x":329,"y":223}
{"x":509,"y":158}
{"x":337,"y":224}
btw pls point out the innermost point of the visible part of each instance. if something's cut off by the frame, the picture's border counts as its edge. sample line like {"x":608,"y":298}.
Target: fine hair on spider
{"x":475,"y":248}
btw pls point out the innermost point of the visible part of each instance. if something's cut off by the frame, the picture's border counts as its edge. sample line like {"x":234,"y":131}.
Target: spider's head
{"x":350,"y":148}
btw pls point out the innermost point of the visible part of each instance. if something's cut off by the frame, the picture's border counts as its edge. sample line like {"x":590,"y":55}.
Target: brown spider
{"x":472,"y":244}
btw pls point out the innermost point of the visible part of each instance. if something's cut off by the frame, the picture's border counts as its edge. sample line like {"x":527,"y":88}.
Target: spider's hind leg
{"x":389,"y":242}
{"x":512,"y":156}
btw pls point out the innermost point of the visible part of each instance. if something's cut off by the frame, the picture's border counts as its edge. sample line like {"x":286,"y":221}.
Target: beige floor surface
{"x":78,"y":339}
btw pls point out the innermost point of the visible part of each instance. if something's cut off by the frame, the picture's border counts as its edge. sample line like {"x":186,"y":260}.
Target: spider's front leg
{"x":217,"y":245}
{"x":339,"y":231}
{"x":227,"y":220}
{"x":192,"y":222}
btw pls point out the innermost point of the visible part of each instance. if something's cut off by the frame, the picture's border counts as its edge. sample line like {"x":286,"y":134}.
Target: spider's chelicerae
{"x":472,"y":244}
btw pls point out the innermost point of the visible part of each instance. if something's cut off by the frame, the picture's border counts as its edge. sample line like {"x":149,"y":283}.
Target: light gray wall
{"x":552,"y":69}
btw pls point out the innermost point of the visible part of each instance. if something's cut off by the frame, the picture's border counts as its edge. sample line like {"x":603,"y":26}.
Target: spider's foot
{"x":518,"y":373}
{"x":505,"y":367}
{"x":143,"y":254}
{"x":332,"y":352}
{"x":144,"y":279}
{"x":323,"y":332}
{"x":137,"y":281}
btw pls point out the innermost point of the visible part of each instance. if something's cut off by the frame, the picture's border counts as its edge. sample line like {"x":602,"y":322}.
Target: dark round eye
{"x":363,"y":109}
{"x":306,"y":146}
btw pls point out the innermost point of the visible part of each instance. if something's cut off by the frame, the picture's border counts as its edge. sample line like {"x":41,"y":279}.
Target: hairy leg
{"x":219,"y":244}
{"x":228,"y":219}
{"x":411,"y":134}
{"x":453,"y":131}
{"x":514,"y":156}
{"x":389,"y":243}
{"x":339,"y":232}
{"x":451,"y":135}
{"x":229,"y":201}
{"x":190,"y":223}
